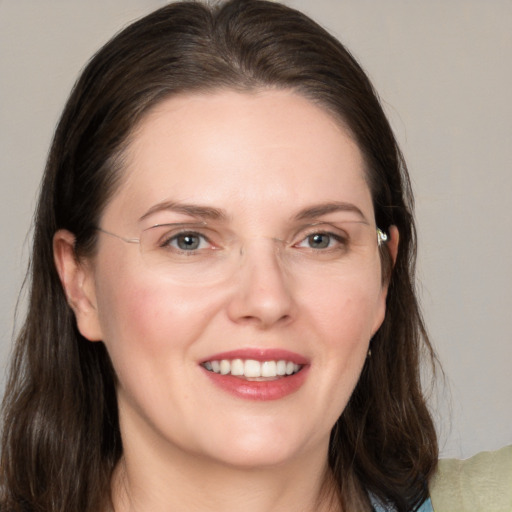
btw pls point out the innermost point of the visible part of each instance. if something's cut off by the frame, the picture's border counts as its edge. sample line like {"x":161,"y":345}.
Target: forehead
{"x":240,"y":150}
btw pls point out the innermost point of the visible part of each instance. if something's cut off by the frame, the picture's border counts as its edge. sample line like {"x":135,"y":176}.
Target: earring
{"x":381,"y":237}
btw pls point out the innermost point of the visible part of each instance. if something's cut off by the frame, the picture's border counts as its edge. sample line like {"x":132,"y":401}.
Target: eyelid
{"x":178,"y":228}
{"x":170,"y":231}
{"x":215,"y":237}
{"x":316,"y":227}
{"x":174,"y":237}
{"x":178,"y":225}
{"x":334,"y":225}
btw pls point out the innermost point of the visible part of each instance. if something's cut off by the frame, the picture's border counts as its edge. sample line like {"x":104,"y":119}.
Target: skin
{"x":261,"y":158}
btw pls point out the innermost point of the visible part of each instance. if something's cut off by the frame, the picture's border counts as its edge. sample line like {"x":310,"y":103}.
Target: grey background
{"x":443,"y":70}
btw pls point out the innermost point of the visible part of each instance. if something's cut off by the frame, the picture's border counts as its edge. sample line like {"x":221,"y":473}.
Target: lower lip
{"x":259,"y":390}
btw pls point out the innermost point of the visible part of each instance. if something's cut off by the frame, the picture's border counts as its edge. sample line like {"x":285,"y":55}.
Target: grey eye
{"x":319,"y":241}
{"x":187,"y":241}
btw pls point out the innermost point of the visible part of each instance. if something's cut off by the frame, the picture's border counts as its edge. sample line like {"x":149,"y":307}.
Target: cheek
{"x":346,"y":310}
{"x":150,"y":335}
{"x":342,"y":316}
{"x":145,"y":319}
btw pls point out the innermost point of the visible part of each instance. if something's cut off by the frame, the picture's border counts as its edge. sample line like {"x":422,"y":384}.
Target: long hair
{"x":61,"y":438}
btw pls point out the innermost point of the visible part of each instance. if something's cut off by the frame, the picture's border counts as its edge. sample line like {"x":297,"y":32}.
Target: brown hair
{"x":61,"y":436}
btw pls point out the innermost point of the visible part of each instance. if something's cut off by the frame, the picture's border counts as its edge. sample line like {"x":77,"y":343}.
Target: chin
{"x":260,"y":447}
{"x":251,"y":459}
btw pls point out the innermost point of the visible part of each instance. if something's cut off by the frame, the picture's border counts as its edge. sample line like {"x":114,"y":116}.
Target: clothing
{"x":482,"y":483}
{"x":381,"y":507}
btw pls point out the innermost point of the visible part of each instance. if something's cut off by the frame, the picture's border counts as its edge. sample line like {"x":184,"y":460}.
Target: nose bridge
{"x":260,"y":252}
{"x":258,"y":249}
{"x":263,"y":287}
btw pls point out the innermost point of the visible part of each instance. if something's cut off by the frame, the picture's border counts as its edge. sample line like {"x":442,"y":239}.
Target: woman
{"x":222,"y":310}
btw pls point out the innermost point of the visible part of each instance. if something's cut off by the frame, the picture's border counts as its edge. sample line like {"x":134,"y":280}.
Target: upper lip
{"x":259,"y":354}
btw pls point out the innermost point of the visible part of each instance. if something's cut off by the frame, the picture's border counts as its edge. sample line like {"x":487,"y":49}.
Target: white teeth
{"x":225,"y":367}
{"x":237,"y":367}
{"x":281,"y":368}
{"x":251,"y":368}
{"x":269,"y":369}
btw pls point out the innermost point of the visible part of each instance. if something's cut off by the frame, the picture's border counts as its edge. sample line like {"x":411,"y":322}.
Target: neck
{"x":165,"y":482}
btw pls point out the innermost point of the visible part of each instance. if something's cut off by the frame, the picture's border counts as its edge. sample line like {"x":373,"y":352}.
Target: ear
{"x":389,"y":255}
{"x":392,"y":248}
{"x":78,"y":282}
{"x":392,"y":243}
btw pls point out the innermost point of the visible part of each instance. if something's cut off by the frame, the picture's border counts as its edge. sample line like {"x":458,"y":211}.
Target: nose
{"x":262,"y":293}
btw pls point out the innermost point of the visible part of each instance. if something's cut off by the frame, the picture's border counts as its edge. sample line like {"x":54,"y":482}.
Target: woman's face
{"x":270,"y":264}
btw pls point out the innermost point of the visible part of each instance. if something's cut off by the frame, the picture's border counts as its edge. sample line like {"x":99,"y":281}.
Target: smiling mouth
{"x":251,"y":369}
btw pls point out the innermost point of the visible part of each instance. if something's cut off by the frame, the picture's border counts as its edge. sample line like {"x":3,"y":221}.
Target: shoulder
{"x":378,"y":506}
{"x":481,"y":483}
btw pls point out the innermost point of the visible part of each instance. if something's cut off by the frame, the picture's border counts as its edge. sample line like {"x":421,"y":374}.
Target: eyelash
{"x":171,"y":241}
{"x":341,"y":241}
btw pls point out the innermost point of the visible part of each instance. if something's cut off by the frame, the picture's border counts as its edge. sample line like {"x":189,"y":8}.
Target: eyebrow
{"x":319,"y":210}
{"x":193,"y":210}
{"x":211,"y":213}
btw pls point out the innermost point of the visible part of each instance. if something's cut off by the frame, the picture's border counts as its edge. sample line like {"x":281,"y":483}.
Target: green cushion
{"x":481,"y":483}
